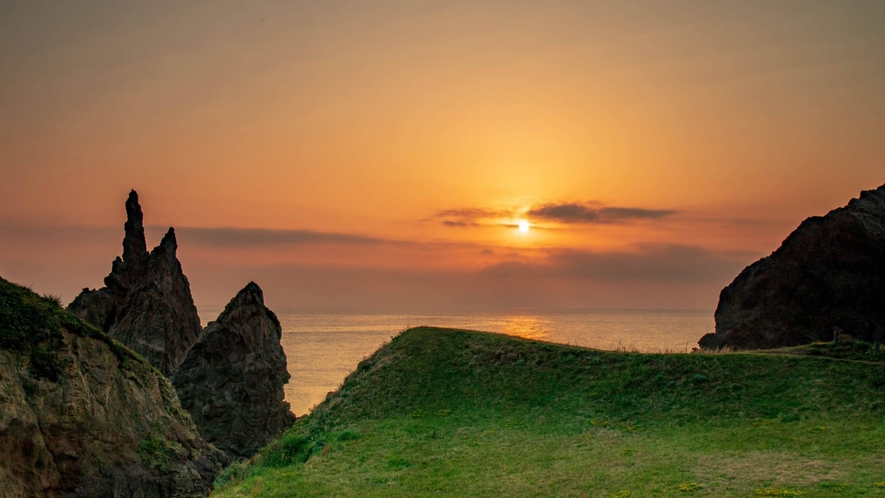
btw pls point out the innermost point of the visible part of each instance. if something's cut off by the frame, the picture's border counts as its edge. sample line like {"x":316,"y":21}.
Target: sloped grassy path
{"x":441,"y":412}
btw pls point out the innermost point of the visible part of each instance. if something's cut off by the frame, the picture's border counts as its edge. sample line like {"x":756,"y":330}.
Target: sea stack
{"x":828,"y":275}
{"x":146,"y":303}
{"x":231,"y":380}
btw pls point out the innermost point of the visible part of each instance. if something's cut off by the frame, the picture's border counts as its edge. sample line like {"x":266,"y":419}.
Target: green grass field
{"x":442,"y":412}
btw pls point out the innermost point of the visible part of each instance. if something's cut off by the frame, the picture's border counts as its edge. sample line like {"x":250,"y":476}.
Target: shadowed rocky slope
{"x":231,"y":380}
{"x":146,"y":303}
{"x":828,"y":274}
{"x":81,"y":415}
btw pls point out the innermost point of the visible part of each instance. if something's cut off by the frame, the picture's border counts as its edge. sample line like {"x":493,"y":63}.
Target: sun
{"x":524,"y":226}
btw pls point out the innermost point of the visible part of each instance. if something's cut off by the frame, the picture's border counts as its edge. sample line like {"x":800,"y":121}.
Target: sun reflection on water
{"x":527,"y":327}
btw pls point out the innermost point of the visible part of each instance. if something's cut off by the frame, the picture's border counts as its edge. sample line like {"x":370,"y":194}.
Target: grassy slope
{"x":31,"y":325}
{"x":454,"y":413}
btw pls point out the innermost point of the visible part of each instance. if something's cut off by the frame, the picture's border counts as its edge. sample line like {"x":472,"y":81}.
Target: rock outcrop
{"x":828,"y":274}
{"x":82,"y":416}
{"x":231,"y":380}
{"x":146,"y":303}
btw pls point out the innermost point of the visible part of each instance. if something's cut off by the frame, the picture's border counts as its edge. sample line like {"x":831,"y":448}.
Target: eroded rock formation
{"x":231,"y":380}
{"x":828,"y":274}
{"x":146,"y":303}
{"x":82,"y":416}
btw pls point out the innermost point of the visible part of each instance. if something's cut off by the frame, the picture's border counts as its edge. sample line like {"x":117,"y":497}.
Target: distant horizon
{"x":440,"y":311}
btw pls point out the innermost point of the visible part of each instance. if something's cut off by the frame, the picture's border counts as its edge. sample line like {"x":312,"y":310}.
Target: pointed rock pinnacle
{"x":134,"y":245}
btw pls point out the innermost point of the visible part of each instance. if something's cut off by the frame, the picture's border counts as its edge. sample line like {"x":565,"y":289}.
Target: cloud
{"x":459,"y":223}
{"x":572,"y":212}
{"x":471,"y":217}
{"x":565,"y":212}
{"x":252,"y":237}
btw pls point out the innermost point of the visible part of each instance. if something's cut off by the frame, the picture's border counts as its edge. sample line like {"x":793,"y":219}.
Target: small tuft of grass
{"x":832,"y":485}
{"x":285,"y":451}
{"x":771,"y":491}
{"x":233,"y":474}
{"x":159,"y":452}
{"x":345,"y":436}
{"x":689,"y":487}
{"x":53,"y":300}
{"x":397,"y":463}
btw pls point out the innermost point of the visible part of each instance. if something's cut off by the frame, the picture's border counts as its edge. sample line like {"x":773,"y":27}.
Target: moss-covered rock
{"x":81,"y":415}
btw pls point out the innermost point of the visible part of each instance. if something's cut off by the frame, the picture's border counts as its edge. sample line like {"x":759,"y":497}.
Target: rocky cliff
{"x":146,"y":303}
{"x":83,"y":416}
{"x":231,"y":380}
{"x":828,"y":274}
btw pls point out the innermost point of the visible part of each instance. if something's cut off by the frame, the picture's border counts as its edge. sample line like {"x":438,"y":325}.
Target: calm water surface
{"x":322,"y":348}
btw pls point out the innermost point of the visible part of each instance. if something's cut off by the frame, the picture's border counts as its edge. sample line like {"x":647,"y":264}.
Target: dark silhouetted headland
{"x":828,"y":275}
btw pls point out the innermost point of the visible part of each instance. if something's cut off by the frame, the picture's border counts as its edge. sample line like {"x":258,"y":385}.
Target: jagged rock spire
{"x":134,"y":245}
{"x":231,"y":380}
{"x":146,"y":303}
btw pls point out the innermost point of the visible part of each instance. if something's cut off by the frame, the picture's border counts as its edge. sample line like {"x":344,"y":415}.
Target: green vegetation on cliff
{"x":81,"y":415}
{"x":455,"y":413}
{"x":33,"y":324}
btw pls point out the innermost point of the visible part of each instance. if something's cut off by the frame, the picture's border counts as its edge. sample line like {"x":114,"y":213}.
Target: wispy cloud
{"x":251,"y":237}
{"x":586,"y":213}
{"x":471,"y":217}
{"x":567,"y":213}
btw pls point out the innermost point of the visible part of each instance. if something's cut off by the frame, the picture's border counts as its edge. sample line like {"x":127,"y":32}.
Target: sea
{"x":323,"y":348}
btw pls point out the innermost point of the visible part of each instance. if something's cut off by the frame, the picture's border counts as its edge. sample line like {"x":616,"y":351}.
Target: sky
{"x":382,"y":155}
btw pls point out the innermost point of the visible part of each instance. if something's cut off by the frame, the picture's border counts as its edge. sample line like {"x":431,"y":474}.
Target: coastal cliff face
{"x":84,"y":416}
{"x":231,"y":380}
{"x":828,"y":274}
{"x":146,"y":303}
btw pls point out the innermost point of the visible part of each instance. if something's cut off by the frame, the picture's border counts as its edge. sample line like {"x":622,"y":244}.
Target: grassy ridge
{"x":444,"y":412}
{"x":432,"y":369}
{"x":31,"y":324}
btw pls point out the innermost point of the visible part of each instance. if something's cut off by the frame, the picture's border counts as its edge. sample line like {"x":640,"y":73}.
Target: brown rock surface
{"x":231,"y":380}
{"x":82,"y":416}
{"x":828,"y":274}
{"x":146,"y":303}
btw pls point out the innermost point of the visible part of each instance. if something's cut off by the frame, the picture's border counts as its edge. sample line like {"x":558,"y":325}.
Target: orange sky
{"x":378,"y":154}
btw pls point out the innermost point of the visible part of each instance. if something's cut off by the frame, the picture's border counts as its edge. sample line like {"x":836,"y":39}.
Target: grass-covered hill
{"x":441,"y":412}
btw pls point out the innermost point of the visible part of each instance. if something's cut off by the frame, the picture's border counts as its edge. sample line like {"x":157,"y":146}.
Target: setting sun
{"x":523,"y":226}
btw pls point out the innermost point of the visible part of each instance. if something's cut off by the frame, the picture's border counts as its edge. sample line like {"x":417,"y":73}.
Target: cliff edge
{"x":84,"y":416}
